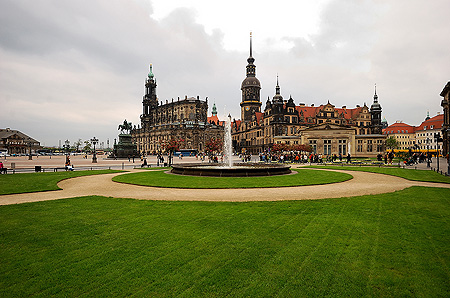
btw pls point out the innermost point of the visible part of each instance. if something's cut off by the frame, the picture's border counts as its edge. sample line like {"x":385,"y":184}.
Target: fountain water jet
{"x":227,"y":142}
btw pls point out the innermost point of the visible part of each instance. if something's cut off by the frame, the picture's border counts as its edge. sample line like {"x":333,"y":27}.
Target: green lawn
{"x":388,"y":245}
{"x":161,"y":179}
{"x":32,"y":182}
{"x":410,"y":174}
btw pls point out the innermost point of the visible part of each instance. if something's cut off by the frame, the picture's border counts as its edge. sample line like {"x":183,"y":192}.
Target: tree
{"x":279,"y":147}
{"x":301,"y":148}
{"x":77,"y":144}
{"x":87,"y":146}
{"x":172,"y":145}
{"x":213,"y":145}
{"x":392,"y":143}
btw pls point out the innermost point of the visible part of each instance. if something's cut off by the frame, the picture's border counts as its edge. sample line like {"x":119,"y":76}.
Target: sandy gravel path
{"x":362,"y":184}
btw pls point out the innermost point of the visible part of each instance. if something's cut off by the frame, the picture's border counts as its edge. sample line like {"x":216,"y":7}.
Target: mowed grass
{"x":387,"y":245}
{"x":302,"y":177}
{"x":410,"y":174}
{"x":32,"y":182}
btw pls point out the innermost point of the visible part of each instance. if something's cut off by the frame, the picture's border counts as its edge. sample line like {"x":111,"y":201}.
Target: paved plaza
{"x":362,"y":184}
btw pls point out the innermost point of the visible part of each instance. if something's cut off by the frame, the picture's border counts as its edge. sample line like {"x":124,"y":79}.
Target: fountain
{"x":227,"y":168}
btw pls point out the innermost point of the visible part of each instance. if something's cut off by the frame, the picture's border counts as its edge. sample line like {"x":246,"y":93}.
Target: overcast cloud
{"x":76,"y":69}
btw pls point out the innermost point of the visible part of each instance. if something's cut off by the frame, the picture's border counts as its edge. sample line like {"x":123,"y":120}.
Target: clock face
{"x":247,"y":108}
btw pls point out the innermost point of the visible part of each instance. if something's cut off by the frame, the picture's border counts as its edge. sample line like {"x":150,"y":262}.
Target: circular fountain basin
{"x":237,"y":170}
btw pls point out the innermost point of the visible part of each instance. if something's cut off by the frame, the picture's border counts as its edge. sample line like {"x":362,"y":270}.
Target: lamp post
{"x":66,"y":146}
{"x":94,"y":141}
{"x":29,"y":144}
{"x":428,"y":153}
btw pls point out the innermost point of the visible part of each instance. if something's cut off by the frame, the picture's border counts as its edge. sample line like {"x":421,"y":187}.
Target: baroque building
{"x":184,"y":120}
{"x":327,"y":129}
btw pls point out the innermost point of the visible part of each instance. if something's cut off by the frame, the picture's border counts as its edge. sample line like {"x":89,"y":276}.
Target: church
{"x":326,"y":128}
{"x":184,"y":120}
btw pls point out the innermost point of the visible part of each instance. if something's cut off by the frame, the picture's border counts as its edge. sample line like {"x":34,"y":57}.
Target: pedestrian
{"x":349,"y":158}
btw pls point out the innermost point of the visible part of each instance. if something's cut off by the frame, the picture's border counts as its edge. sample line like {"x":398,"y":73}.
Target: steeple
{"x":251,"y":68}
{"x":375,"y":113}
{"x":277,"y":97}
{"x":250,"y":88}
{"x":214,"y":110}
{"x":150,"y":100}
{"x":375,"y":97}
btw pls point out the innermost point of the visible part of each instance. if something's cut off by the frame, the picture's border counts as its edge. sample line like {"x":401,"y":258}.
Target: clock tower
{"x":250,"y":88}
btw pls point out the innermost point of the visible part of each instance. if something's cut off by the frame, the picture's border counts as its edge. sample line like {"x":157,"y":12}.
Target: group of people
{"x":297,"y":157}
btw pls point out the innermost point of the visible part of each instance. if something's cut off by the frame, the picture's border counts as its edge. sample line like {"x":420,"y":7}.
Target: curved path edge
{"x":363,"y":183}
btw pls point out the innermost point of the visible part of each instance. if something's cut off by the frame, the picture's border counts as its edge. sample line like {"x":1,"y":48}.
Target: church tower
{"x":250,"y":88}
{"x":375,"y":113}
{"x":150,"y":101}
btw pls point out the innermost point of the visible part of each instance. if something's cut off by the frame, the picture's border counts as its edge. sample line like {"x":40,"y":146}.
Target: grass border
{"x":408,"y":174}
{"x":258,"y":181}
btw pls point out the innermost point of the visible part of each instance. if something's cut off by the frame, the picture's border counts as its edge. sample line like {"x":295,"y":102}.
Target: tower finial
{"x":250,"y":43}
{"x":150,"y":74}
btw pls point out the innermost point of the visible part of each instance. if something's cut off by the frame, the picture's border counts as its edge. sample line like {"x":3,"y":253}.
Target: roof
{"x":213,"y":119}
{"x":437,"y":122}
{"x":446,"y":89}
{"x":313,"y":111}
{"x":6,"y":133}
{"x":258,"y":115}
{"x":237,"y":124}
{"x":399,"y":127}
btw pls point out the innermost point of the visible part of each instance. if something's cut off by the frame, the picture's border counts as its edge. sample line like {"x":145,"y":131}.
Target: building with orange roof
{"x":421,"y":137}
{"x":328,"y":129}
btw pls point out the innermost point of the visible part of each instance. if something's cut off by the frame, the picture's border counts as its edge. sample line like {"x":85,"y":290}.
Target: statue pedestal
{"x":125,"y":147}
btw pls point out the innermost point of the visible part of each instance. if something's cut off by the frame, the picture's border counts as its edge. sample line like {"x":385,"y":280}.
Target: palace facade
{"x":327,"y":129}
{"x":184,"y":120}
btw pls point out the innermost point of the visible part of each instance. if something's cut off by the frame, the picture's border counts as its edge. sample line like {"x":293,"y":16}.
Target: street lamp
{"x":94,"y":141}
{"x":66,"y":146}
{"x":428,"y":153}
{"x":29,"y":144}
{"x":438,"y":139}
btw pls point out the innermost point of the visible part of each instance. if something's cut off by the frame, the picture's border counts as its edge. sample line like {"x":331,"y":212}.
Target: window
{"x":327,"y":147}
{"x":369,"y":146}
{"x":342,"y":147}
{"x":360,"y":146}
{"x":313,"y":144}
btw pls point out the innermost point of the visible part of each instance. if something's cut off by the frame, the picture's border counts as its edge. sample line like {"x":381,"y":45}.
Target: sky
{"x":73,"y":70}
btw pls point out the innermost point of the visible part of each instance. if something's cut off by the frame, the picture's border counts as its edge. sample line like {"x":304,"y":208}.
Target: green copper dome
{"x":150,"y":74}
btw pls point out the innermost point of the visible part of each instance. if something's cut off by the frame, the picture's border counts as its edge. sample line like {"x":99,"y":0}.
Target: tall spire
{"x":375,"y":97}
{"x":277,"y":97}
{"x":214,"y":110}
{"x":250,"y":59}
{"x":277,"y":88}
{"x":250,"y":44}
